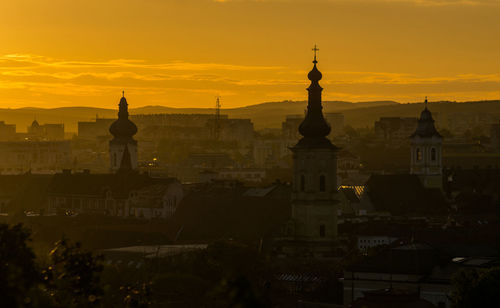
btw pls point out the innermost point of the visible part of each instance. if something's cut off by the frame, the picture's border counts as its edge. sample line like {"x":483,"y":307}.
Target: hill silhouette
{"x":270,"y":114}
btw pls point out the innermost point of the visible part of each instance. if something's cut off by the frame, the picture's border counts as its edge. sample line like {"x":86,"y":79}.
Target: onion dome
{"x":315,"y":74}
{"x":425,"y":127}
{"x":314,"y":128}
{"x":123,"y":128}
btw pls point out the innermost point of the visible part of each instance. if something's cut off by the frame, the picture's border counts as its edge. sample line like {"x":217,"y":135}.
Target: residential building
{"x":7,"y":131}
{"x":124,"y":194}
{"x":409,"y":267}
{"x":45,"y":131}
{"x":394,"y":129}
{"x":46,"y":157}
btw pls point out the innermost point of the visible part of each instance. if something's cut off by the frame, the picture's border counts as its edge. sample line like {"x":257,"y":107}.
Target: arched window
{"x":322,"y":231}
{"x":322,"y":183}
{"x":433,"y":154}
{"x":418,"y":154}
{"x":302,"y":182}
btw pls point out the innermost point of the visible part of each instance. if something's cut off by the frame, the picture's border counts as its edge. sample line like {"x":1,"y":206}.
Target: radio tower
{"x":217,"y":119}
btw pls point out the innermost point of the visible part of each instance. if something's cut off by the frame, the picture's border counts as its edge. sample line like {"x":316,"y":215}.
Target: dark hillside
{"x":265,"y":115}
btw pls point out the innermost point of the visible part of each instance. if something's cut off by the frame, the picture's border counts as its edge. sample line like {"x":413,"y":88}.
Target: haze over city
{"x":184,"y":53}
{"x":250,"y":153}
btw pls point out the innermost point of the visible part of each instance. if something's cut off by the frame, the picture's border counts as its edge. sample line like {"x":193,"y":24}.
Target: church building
{"x":125,"y":192}
{"x":419,"y":192}
{"x":312,"y":230}
{"x":426,"y":151}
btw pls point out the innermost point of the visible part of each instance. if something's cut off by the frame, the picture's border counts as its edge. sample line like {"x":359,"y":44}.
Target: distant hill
{"x":440,"y":110}
{"x":266,"y":114}
{"x":270,"y":114}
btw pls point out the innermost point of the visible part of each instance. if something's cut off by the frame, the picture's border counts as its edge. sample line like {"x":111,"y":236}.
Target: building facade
{"x":45,"y":131}
{"x":120,"y":194}
{"x":397,"y":129}
{"x":43,"y":157}
{"x":7,"y":131}
{"x":91,"y":130}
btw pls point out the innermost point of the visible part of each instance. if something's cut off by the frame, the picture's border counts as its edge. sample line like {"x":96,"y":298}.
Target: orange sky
{"x":182,"y":53}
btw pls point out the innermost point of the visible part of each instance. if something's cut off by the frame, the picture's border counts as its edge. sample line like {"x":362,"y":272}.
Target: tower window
{"x":302,"y":182}
{"x":419,"y":154}
{"x":322,"y":183}
{"x":322,"y":231}
{"x":433,"y":154}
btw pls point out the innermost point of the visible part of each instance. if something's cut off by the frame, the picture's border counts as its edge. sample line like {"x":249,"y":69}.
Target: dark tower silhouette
{"x":217,"y":127}
{"x":123,"y":147}
{"x":314,"y":128}
{"x":314,"y":210}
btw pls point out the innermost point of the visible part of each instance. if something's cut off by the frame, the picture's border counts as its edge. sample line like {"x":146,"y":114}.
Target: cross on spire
{"x":123,"y":93}
{"x":315,"y":49}
{"x":425,"y":102}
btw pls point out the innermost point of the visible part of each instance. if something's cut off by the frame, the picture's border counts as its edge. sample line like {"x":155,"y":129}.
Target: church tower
{"x":426,"y":151}
{"x":123,"y":147}
{"x":314,"y":209}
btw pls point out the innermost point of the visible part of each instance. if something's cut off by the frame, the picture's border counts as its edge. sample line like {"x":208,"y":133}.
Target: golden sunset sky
{"x":182,"y":53}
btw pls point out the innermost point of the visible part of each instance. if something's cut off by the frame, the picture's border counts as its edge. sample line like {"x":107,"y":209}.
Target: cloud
{"x":28,"y":60}
{"x":414,"y":2}
{"x":34,"y":78}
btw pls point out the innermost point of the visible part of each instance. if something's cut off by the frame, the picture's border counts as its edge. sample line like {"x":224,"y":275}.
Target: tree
{"x":73,"y":277}
{"x":18,"y":272}
{"x":236,"y":292}
{"x":476,"y":288}
{"x":225,"y":274}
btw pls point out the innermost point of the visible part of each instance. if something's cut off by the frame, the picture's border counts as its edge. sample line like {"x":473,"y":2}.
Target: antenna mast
{"x":217,"y":119}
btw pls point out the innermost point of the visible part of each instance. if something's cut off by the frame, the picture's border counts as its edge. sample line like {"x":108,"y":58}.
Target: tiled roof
{"x":119,"y":184}
{"x":403,"y":193}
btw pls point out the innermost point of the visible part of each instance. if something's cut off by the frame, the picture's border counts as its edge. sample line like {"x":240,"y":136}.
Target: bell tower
{"x":314,"y":205}
{"x":123,"y":147}
{"x":426,"y":151}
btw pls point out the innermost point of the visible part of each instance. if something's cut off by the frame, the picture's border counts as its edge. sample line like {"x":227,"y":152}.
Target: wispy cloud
{"x":35,"y":78}
{"x":28,"y":60}
{"x":416,"y":2}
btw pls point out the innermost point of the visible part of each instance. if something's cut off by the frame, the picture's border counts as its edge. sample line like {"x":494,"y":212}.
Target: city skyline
{"x":185,"y":53}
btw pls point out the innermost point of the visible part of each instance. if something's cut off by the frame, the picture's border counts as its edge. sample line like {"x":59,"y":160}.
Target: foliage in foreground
{"x":72,"y":277}
{"x":223,"y":275}
{"x":476,"y":288}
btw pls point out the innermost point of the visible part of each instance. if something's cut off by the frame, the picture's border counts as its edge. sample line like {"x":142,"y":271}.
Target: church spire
{"x":123,"y":107}
{"x":425,"y":126}
{"x":315,"y":49}
{"x":123,"y":128}
{"x":314,"y":128}
{"x":123,"y":147}
{"x":126,"y":163}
